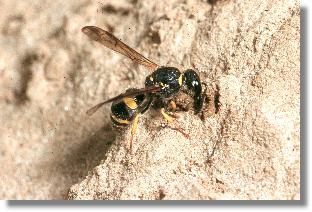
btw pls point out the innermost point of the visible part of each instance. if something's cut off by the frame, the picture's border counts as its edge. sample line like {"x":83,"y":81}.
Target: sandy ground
{"x":244,"y":146}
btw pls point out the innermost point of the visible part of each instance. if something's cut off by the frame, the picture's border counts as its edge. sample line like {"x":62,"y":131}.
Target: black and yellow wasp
{"x":162,"y":84}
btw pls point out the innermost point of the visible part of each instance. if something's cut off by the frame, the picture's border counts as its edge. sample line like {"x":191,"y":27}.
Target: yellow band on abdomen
{"x":119,"y":121}
{"x":130,"y":103}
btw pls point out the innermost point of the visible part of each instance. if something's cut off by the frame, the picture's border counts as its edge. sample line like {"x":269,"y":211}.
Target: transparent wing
{"x":110,"y":41}
{"x":133,"y":93}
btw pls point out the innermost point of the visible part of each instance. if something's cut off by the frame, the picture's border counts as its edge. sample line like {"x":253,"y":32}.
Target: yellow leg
{"x":166,"y":116}
{"x":133,"y":129}
{"x":170,"y":120}
{"x":173,"y":105}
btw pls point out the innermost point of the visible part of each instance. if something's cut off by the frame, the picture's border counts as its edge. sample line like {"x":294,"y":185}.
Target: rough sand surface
{"x":246,"y":147}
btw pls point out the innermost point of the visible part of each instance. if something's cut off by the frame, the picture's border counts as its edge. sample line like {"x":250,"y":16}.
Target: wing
{"x":133,"y":93}
{"x":110,"y":41}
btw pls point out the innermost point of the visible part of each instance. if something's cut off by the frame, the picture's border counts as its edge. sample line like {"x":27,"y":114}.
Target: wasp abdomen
{"x":122,"y":114}
{"x":124,"y":111}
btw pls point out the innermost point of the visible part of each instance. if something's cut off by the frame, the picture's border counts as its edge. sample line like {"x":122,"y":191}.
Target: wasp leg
{"x":133,"y":130}
{"x":173,"y":108}
{"x":179,"y":129}
{"x":170,"y":120}
{"x":173,"y":105}
{"x":166,"y":116}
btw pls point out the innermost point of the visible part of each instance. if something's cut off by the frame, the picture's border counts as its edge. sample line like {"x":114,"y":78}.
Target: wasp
{"x":163,"y":84}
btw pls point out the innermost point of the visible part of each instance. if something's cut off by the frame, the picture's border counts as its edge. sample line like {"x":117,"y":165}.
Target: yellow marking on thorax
{"x":164,"y":85}
{"x":120,"y":121}
{"x":130,"y":103}
{"x":181,"y":79}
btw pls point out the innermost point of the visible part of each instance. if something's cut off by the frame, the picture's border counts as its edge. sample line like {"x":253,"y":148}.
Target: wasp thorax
{"x":168,"y":78}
